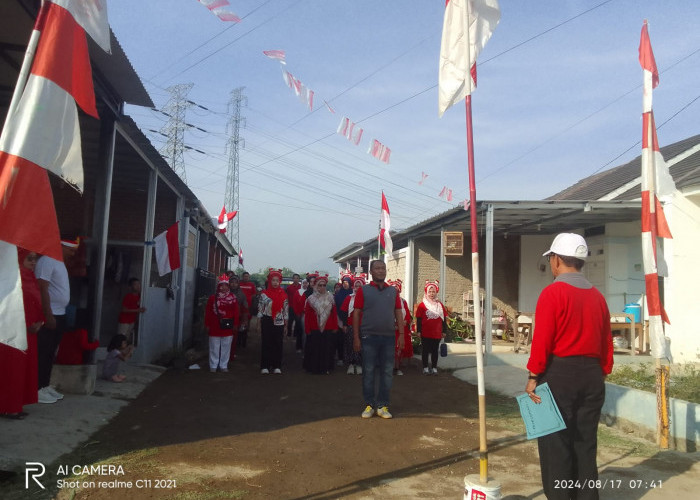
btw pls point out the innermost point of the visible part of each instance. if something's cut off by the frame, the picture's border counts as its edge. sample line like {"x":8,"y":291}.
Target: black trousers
{"x":271,"y":348}
{"x":430,"y":348}
{"x":290,"y":322}
{"x":569,"y":456}
{"x":47,"y":345}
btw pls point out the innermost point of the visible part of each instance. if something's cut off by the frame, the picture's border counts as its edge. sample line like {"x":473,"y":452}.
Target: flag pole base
{"x":474,"y":488}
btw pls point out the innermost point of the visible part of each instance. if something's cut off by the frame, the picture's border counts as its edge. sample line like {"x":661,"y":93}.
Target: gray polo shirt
{"x":378,"y":313}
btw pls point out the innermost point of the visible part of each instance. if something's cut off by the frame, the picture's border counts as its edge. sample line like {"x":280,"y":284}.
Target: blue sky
{"x":558,"y":99}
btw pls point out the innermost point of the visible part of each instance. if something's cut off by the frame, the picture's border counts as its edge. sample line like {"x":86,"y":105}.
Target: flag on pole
{"x":384,"y":227}
{"x":168,"y":250}
{"x":240,"y":256}
{"x":475,"y":19}
{"x":41,"y":131}
{"x":653,"y":220}
{"x":224,"y":218}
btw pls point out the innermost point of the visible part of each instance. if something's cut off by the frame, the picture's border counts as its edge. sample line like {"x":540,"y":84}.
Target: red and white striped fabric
{"x":168,"y":250}
{"x":305,"y":94}
{"x":457,"y":73}
{"x":446,"y":193}
{"x":240,"y":256}
{"x":379,"y":151}
{"x":279,"y":55}
{"x":349,"y":130}
{"x":217,"y":8}
{"x":224,"y":218}
{"x":653,"y":220}
{"x":384,"y":226}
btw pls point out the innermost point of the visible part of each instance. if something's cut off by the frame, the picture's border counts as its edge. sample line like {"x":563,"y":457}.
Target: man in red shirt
{"x":131,"y":307}
{"x":572,"y":351}
{"x":292,"y":292}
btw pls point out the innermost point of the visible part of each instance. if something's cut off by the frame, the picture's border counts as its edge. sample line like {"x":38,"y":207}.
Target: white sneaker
{"x":384,"y":412}
{"x":369,"y":411}
{"x":358,"y":370}
{"x":426,"y":371}
{"x":45,"y":397}
{"x":351,"y":369}
{"x":399,"y":372}
{"x":435,"y":372}
{"x":53,"y":392}
{"x":265,"y":371}
{"x":277,"y":371}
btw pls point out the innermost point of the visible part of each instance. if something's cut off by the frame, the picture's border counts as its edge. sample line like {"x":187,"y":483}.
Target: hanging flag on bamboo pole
{"x":42,"y":132}
{"x":655,"y":180}
{"x":385,"y":242}
{"x":475,"y":19}
{"x":224,"y":218}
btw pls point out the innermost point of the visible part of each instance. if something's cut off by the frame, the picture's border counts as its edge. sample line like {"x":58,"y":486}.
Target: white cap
{"x":569,"y":245}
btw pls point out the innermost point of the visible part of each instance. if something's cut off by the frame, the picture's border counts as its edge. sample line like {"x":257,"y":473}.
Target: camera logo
{"x":34,"y":470}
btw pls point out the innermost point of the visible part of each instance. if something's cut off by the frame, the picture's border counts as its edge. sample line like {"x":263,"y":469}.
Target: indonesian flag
{"x":168,"y":250}
{"x":379,"y":151}
{"x":240,"y":256}
{"x":42,"y":132}
{"x":217,"y":8}
{"x":224,"y":218}
{"x":653,"y":220}
{"x":276,"y":54}
{"x":384,"y":227}
{"x":348,"y":129}
{"x":457,"y":72}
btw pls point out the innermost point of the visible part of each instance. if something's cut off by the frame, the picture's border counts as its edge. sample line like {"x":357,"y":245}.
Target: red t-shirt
{"x":571,"y":321}
{"x":431,"y":328}
{"x":131,"y":301}
{"x":72,"y":346}
{"x":248,"y":289}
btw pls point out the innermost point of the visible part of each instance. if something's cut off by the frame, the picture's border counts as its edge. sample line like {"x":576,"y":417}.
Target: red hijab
{"x":30,"y":290}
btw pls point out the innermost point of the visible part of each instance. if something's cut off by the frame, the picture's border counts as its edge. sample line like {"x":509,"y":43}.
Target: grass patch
{"x":684,"y":380}
{"x":209,"y":495}
{"x":615,"y":440}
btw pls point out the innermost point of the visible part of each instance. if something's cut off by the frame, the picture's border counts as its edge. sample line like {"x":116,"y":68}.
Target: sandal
{"x":13,"y":416}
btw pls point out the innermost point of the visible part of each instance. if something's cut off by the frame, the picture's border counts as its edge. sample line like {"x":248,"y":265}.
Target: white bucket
{"x":475,"y":490}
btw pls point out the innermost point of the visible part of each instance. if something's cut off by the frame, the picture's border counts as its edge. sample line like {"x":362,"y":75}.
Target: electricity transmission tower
{"x":174,"y":129}
{"x":235,"y":142}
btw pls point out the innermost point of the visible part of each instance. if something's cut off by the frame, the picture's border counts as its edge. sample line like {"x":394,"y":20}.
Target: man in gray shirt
{"x":376,"y":317}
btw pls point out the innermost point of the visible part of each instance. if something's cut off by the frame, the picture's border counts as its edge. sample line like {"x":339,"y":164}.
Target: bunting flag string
{"x":379,"y":151}
{"x":329,"y":107}
{"x":305,"y":94}
{"x":446,"y":193}
{"x":423,"y":176}
{"x":347,"y":129}
{"x":216,"y":7}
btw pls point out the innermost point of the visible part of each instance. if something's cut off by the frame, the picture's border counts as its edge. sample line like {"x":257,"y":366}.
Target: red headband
{"x":435,"y":284}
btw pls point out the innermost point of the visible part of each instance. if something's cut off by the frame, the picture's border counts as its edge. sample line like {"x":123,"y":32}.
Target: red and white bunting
{"x":379,"y":151}
{"x":305,"y":94}
{"x":446,"y":193}
{"x":279,"y":55}
{"x":329,"y":107}
{"x":653,"y":220}
{"x":423,"y":176}
{"x":217,"y":8}
{"x":457,"y":73}
{"x":349,"y":130}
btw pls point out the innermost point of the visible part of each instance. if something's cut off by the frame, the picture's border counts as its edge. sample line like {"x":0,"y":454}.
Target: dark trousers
{"x":570,"y":454}
{"x":339,"y":343}
{"x":429,"y":348}
{"x":299,"y":332}
{"x":271,"y":348}
{"x":290,"y":322}
{"x":47,"y":345}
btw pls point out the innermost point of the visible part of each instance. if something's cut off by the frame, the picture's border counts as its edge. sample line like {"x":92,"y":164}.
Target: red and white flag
{"x":423,"y":176}
{"x":653,"y":220}
{"x":279,"y":55}
{"x":329,"y":107}
{"x":384,"y":227}
{"x":240,"y":256}
{"x":224,"y":218}
{"x":349,"y":130}
{"x":217,"y":8}
{"x":42,"y":132}
{"x":168,"y":250}
{"x":467,"y":26}
{"x":379,"y":151}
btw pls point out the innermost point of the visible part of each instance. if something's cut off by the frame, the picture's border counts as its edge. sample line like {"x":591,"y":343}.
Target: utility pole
{"x":174,"y":129}
{"x":235,"y":142}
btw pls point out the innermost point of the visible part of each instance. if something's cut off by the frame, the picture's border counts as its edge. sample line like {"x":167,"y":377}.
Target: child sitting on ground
{"x":117,"y":351}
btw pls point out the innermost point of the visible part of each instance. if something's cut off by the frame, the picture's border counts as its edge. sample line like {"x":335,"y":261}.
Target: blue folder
{"x":543,"y":418}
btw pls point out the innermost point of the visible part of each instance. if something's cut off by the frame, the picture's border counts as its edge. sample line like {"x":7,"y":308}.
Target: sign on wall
{"x":454,"y":243}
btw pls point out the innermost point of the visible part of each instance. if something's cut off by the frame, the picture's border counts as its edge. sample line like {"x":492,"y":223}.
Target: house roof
{"x":683,"y":158}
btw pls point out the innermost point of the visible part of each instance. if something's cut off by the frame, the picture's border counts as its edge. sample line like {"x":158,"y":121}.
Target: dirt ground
{"x":198,"y":435}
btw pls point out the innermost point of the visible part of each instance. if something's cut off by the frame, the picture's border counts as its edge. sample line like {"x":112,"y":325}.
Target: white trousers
{"x":219,"y":351}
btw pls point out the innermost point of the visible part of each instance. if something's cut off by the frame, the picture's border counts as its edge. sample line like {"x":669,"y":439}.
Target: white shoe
{"x":339,"y":362}
{"x":45,"y":397}
{"x":399,"y":372}
{"x":53,"y":392}
{"x":265,"y":371}
{"x":369,"y":411}
{"x":435,"y":372}
{"x":351,"y":370}
{"x":426,"y":371}
{"x":358,"y":370}
{"x":277,"y":371}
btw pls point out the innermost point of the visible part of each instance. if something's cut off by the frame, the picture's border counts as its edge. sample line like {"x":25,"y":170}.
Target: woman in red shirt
{"x":351,"y":358}
{"x":407,"y":351}
{"x":221,"y":318}
{"x":430,"y":325}
{"x":320,"y":325}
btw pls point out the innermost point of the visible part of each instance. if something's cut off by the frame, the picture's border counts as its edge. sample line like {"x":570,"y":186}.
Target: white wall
{"x":534,"y":270}
{"x":682,"y":287}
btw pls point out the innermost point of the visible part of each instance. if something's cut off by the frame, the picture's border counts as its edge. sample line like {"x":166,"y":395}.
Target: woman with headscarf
{"x":407,"y":351}
{"x":339,"y":296}
{"x":352,"y":359}
{"x":273,"y":314}
{"x":19,"y":372}
{"x":430,"y":325}
{"x":221,"y":317}
{"x":320,"y":324}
